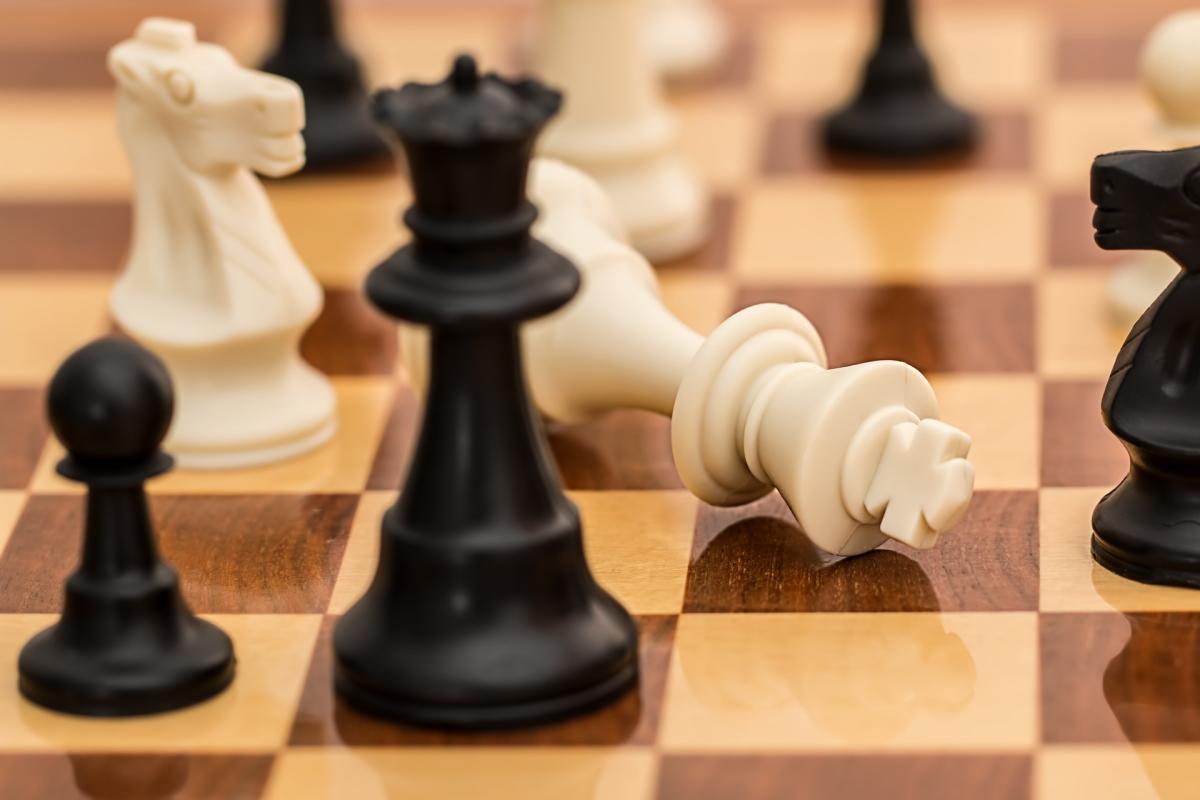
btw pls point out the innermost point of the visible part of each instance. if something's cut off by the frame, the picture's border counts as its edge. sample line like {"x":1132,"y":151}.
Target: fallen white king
{"x":857,"y":452}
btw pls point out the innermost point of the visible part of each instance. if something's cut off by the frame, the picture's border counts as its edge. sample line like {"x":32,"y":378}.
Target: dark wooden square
{"x":760,"y":561}
{"x":79,"y":236}
{"x":237,"y":554}
{"x":1077,"y":450}
{"x":94,"y":775}
{"x":1121,"y":677}
{"x":986,"y":328}
{"x":350,"y":337}
{"x":23,"y":432}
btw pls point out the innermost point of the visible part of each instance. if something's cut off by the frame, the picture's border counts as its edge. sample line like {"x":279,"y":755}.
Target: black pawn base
{"x":119,"y":656}
{"x":498,"y":637}
{"x":908,"y":125}
{"x":1132,"y":535}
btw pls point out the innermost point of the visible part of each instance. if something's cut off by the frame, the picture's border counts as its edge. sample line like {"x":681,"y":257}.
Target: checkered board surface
{"x":1002,"y":664}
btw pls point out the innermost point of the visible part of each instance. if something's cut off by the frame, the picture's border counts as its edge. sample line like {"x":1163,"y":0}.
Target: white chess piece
{"x":615,"y":126}
{"x":1171,"y":73}
{"x":212,"y":284}
{"x":857,"y":452}
{"x":685,"y":37}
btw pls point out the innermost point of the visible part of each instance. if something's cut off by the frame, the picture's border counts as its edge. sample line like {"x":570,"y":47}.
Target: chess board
{"x":1002,"y":664}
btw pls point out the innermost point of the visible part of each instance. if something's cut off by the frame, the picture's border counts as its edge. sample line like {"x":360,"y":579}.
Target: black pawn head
{"x":110,"y":404}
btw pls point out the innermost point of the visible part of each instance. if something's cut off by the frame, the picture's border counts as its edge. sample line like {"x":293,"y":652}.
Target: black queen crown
{"x":468,"y":141}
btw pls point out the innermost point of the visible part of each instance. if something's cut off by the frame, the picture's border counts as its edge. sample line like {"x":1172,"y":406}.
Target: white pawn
{"x":213,"y":285}
{"x":685,"y":37}
{"x":1170,"y":68}
{"x":857,"y":452}
{"x":614,"y":124}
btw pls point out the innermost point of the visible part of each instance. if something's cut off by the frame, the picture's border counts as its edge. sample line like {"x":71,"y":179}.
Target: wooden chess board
{"x":1002,"y":664}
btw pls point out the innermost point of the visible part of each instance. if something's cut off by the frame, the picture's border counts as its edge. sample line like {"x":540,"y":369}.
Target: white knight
{"x":212,"y":284}
{"x":857,"y":452}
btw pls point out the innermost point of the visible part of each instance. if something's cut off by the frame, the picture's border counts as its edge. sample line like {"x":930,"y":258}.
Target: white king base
{"x":857,"y":452}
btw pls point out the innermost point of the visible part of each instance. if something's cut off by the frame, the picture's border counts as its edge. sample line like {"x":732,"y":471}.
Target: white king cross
{"x":923,"y":481}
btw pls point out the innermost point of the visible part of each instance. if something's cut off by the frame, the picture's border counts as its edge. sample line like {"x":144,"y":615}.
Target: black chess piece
{"x":1148,"y":528}
{"x":126,"y":643}
{"x":338,"y":129}
{"x":899,"y":110}
{"x":483,"y":612}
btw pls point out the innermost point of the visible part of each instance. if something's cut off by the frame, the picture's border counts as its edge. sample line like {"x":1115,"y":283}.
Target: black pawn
{"x":1148,"y":528}
{"x":126,"y":643}
{"x":483,"y":612}
{"x":338,"y":130}
{"x":899,"y":110}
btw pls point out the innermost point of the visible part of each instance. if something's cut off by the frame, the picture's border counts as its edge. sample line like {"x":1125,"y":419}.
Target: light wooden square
{"x":362,"y":551}
{"x":809,"y":60}
{"x":11,"y":504}
{"x":873,"y":229}
{"x":852,"y":682}
{"x":44,"y":319}
{"x":1002,"y":415}
{"x":61,"y":145}
{"x":990,"y":57}
{"x":720,"y":135}
{"x":1075,"y":125}
{"x":639,"y":544}
{"x":340,"y":466}
{"x":1077,"y":338}
{"x":580,"y":773}
{"x":343,"y":226}
{"x":255,"y":713}
{"x":701,"y":300}
{"x":1072,"y":581}
{"x":1117,"y":772}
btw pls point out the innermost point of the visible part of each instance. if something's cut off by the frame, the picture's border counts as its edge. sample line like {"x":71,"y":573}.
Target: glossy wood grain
{"x":622,"y":450}
{"x":1077,"y":450}
{"x":133,"y":777}
{"x":234,"y":554}
{"x":1114,"y":677}
{"x":757,"y":559}
{"x":934,"y":328}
